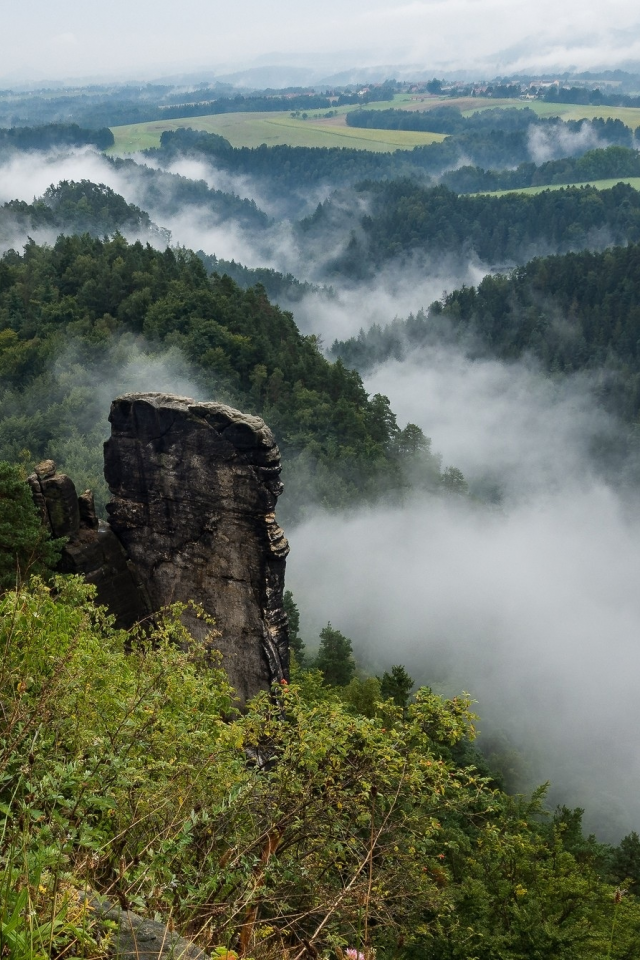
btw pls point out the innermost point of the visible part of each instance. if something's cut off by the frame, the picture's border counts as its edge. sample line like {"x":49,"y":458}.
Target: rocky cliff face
{"x":91,"y":549}
{"x":194,"y":492}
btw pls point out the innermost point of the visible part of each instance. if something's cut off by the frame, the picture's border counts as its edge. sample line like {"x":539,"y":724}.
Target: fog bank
{"x":530,"y":604}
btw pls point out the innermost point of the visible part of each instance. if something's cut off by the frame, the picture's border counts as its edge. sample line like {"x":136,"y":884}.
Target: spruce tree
{"x":296,"y":643}
{"x":396,"y":686}
{"x":335,"y":657}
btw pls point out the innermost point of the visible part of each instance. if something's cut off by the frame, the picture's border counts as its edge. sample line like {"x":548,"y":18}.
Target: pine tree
{"x":335,"y":657}
{"x":396,"y":686}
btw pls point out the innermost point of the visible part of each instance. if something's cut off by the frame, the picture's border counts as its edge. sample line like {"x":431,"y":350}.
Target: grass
{"x":598,"y":184}
{"x":468,"y":105}
{"x":566,"y":111}
{"x":253,"y":129}
{"x":318,"y":130}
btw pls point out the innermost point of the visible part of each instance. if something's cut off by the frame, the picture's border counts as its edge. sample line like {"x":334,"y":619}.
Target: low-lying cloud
{"x":530,"y":604}
{"x":554,"y":142}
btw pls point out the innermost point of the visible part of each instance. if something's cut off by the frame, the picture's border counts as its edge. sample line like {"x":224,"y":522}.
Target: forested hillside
{"x":594,"y":165}
{"x":405,"y":220}
{"x":491,"y":139}
{"x":71,"y":314}
{"x":575,"y":312}
{"x":82,"y":207}
{"x":275,"y":284}
{"x":171,"y":194}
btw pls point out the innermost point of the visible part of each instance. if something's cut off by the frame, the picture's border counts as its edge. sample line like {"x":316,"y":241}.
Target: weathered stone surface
{"x":192,"y":517}
{"x":61,"y":502}
{"x":91,"y":548}
{"x":140,"y":939}
{"x":194,"y":490}
{"x":87,"y":509}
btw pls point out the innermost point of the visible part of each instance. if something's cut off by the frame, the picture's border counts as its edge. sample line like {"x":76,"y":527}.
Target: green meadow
{"x":598,"y":184}
{"x":253,"y":129}
{"x":318,"y":130}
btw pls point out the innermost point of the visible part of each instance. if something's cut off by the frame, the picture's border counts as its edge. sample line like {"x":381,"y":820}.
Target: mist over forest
{"x":445,"y":340}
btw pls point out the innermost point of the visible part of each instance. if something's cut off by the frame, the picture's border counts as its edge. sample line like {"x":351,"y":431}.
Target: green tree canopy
{"x":335,"y":657}
{"x":24,"y":544}
{"x":396,"y":685}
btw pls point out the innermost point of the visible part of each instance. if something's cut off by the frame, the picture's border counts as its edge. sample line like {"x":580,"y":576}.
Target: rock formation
{"x":91,"y":548}
{"x":194,"y":492}
{"x":194,"y":488}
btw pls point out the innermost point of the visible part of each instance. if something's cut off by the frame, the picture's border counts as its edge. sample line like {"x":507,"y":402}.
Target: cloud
{"x":132,"y":39}
{"x":64,"y":40}
{"x":531,"y":605}
{"x":551,"y":143}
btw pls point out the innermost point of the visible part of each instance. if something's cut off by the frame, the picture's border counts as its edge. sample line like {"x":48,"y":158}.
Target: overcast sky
{"x":128,"y":38}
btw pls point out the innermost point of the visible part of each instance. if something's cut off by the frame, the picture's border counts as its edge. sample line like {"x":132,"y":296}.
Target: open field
{"x":566,"y":111}
{"x":252,"y":129}
{"x":598,"y":184}
{"x":468,"y":105}
{"x":318,"y":130}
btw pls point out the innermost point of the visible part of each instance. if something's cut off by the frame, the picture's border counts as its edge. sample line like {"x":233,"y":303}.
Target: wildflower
{"x":284,"y":683}
{"x":352,"y":954}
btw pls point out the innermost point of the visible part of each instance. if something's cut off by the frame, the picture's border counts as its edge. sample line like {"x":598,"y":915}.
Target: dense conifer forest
{"x":88,"y":298}
{"x":576,"y":312}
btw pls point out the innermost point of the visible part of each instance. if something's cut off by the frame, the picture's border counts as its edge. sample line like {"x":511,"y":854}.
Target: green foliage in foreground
{"x":299,"y":822}
{"x":77,"y":314}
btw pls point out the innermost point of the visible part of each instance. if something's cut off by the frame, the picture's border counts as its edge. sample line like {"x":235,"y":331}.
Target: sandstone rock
{"x":91,"y":547}
{"x":194,"y":490}
{"x":87,"y":509}
{"x":192,"y":517}
{"x":58,"y":500}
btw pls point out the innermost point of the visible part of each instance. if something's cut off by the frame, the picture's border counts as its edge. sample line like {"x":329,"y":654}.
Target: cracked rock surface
{"x":194,"y":488}
{"x":91,"y":548}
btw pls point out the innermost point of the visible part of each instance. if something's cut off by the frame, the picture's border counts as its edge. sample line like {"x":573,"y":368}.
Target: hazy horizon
{"x":144,"y":40}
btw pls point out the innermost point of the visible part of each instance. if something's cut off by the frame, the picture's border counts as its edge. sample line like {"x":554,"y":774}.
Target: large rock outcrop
{"x":194,"y":490}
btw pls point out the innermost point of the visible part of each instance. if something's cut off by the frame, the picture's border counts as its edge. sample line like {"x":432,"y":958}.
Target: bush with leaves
{"x":294,"y":828}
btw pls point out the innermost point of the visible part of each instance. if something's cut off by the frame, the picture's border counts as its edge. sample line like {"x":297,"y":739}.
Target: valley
{"x":425,"y":346}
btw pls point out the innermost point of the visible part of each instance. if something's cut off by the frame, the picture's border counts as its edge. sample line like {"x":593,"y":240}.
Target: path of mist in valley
{"x":531,"y":605}
{"x":526,"y":597}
